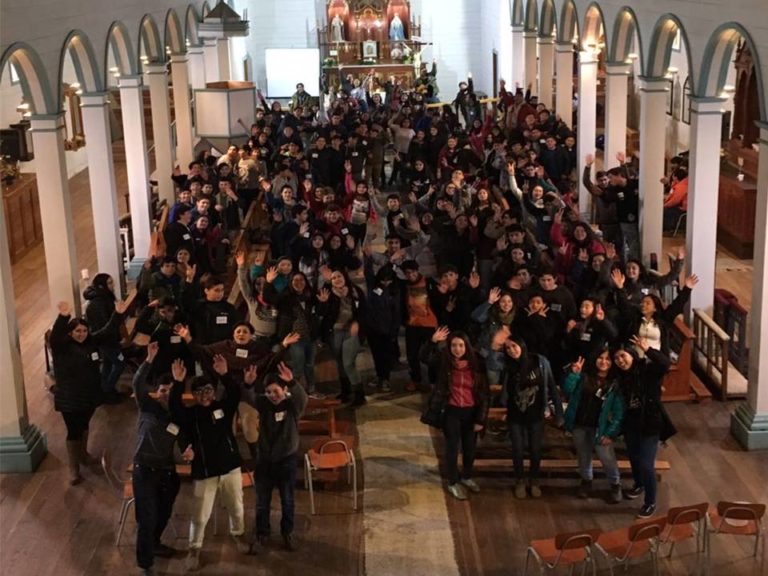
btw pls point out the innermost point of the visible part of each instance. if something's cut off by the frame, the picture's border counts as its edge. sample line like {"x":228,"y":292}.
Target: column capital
{"x":561,"y":47}
{"x":587,"y":57}
{"x":195,"y":49}
{"x":518,"y":28}
{"x":212,"y":41}
{"x":94,"y":100}
{"x":546,"y":40}
{"x":653,"y":83}
{"x":707,"y":106}
{"x":528,"y":34}
{"x":617,"y":68}
{"x":179,"y":58}
{"x":156,"y":68}
{"x":47,"y":122}
{"x":130,"y":82}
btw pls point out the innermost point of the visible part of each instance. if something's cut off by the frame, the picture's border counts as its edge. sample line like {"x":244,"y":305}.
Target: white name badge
{"x":315,"y":156}
{"x":175,"y":339}
{"x":378,"y":291}
{"x":547,"y":218}
{"x":172,"y":429}
{"x":344,"y":231}
{"x":556,"y":307}
{"x":645,"y":291}
{"x":279,"y":416}
{"x":620,"y":195}
{"x":186,"y":237}
{"x":586,"y":337}
{"x":221,"y":319}
{"x":218,"y":414}
{"x":241,"y":353}
{"x":95,"y":356}
{"x":120,"y":357}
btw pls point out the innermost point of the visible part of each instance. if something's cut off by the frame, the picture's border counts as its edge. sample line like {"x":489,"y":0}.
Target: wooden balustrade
{"x":711,"y":358}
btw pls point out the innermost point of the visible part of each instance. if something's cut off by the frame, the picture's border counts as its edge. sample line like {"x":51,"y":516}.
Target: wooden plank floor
{"x":47,"y":527}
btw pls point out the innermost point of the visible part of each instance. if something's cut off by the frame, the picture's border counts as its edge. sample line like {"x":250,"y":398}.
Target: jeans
{"x":77,"y":423}
{"x":345,"y":348}
{"x":155,"y":492}
{"x":383,"y":351}
{"x":112,"y":364}
{"x":302,"y":360}
{"x":271,"y":475}
{"x":459,"y":430}
{"x":231,"y":485}
{"x":630,"y":240}
{"x":642,"y":457}
{"x":535,"y":432}
{"x":415,"y":337}
{"x":584,"y":441}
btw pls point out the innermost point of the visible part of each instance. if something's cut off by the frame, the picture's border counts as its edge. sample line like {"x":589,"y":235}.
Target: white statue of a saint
{"x":396,"y":29}
{"x":337,"y":29}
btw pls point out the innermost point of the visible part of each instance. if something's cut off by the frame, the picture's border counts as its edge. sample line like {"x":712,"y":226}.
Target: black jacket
{"x":279,"y":424}
{"x":329,"y":312}
{"x":641,"y":387}
{"x":291,"y":310}
{"x":101,"y":306}
{"x":210,"y":431}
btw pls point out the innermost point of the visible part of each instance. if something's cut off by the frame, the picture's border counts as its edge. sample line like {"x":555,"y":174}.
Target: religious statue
{"x":396,"y":29}
{"x":337,"y":29}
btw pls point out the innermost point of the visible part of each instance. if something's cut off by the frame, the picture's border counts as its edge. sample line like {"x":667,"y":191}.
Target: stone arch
{"x":717,"y":60}
{"x":623,"y":31}
{"x":80,"y":49}
{"x":205,"y":9}
{"x":548,"y":19}
{"x":191,"y":22}
{"x":660,"y":49}
{"x":174,"y":33}
{"x":531,"y":15}
{"x":593,"y":19}
{"x":34,"y":83}
{"x":119,"y":42}
{"x":149,"y":38}
{"x":568,"y":27}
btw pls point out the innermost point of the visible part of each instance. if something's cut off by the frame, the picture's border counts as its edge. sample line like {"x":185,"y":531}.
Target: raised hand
{"x":583,"y":255}
{"x":183,"y":331}
{"x":350,"y":242}
{"x":589,"y":160}
{"x":290,"y":339}
{"x":240,"y":258}
{"x":152,"y":349}
{"x":691,"y":281}
{"x":621,"y":157}
{"x":271,"y":274}
{"x":64,"y":308}
{"x":570,"y":326}
{"x":323,"y":295}
{"x":178,"y":370}
{"x":474,"y":280}
{"x":121,"y":306}
{"x":285,"y":373}
{"x":599,"y":312}
{"x":188,"y":455}
{"x":543,"y":311}
{"x":577,"y":366}
{"x":220,"y":365}
{"x":493,"y":296}
{"x":618,"y":278}
{"x":441,"y":334}
{"x":610,"y":250}
{"x":249,"y":374}
{"x":191,"y":273}
{"x":641,"y":343}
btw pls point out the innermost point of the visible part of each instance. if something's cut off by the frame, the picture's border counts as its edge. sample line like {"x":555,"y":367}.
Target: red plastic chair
{"x":567,"y":549}
{"x":330,"y":455}
{"x":737,"y":519}
{"x":641,"y":538}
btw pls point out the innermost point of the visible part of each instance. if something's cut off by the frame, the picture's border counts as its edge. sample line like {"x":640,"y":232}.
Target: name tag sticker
{"x":221,"y":319}
{"x":547,"y":218}
{"x":241,"y":353}
{"x":621,"y":195}
{"x":344,"y":231}
{"x":378,"y":291}
{"x":95,"y":356}
{"x":172,"y":429}
{"x":218,"y":414}
{"x":120,"y":357}
{"x":645,"y":291}
{"x":186,"y":237}
{"x":556,"y":307}
{"x":175,"y":339}
{"x":586,"y":337}
{"x":279,"y":416}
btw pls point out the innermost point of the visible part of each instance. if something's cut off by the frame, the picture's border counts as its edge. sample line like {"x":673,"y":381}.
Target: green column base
{"x":23,"y":453}
{"x":750,"y":429}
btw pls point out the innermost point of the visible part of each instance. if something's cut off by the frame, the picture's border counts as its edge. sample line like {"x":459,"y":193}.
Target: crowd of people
{"x":446,"y":235}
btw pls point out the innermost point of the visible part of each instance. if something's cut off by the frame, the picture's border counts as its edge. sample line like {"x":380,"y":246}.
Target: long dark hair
{"x":469,"y":351}
{"x":101,"y":281}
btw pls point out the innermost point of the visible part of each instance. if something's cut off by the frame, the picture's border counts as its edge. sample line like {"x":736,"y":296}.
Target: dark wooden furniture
{"x":22,"y":215}
{"x":736,"y":214}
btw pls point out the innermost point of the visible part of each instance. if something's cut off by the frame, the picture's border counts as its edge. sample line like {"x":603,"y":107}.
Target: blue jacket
{"x":611,"y":414}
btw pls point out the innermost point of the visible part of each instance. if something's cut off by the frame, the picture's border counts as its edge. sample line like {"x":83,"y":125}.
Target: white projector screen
{"x":286,"y":67}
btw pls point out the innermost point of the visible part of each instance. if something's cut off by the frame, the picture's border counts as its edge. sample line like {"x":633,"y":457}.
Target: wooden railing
{"x":711,"y":358}
{"x":679,"y":384}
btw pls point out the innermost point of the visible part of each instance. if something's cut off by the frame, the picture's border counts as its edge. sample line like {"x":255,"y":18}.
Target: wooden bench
{"x":711,"y":358}
{"x":561,"y":465}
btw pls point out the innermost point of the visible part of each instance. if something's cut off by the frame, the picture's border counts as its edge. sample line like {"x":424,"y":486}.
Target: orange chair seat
{"x":750,"y":528}
{"x":328,"y":460}
{"x":616,"y":543}
{"x":549,"y":553}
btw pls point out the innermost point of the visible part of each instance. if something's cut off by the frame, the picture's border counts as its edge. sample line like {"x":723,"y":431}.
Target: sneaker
{"x":471,"y":485}
{"x":633,"y":492}
{"x":584,"y":489}
{"x":646,"y":511}
{"x":535,"y":491}
{"x":385,"y":387}
{"x":288,"y":543}
{"x":615,"y":496}
{"x":520,"y":492}
{"x":163,"y":551}
{"x":192,"y":563}
{"x":457,"y":491}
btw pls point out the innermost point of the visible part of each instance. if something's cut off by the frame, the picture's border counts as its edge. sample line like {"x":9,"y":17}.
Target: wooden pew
{"x":679,"y":383}
{"x":711,"y":358}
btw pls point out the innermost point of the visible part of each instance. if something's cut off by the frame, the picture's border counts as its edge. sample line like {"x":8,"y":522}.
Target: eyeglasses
{"x":205,"y":390}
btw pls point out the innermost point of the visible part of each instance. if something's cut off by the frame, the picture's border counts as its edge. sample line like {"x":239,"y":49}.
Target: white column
{"x":196,"y":57}
{"x":531,"y":64}
{"x":546,"y":70}
{"x":55,"y":211}
{"x":136,"y":163}
{"x":101,"y":176}
{"x":157,"y":77}
{"x":22,"y":447}
{"x":587,"y":120}
{"x":222,"y":49}
{"x":183,"y":109}
{"x":564,"y":76}
{"x":211,"y":55}
{"x":616,"y":88}
{"x":749,"y":424}
{"x":653,"y":101}
{"x":518,"y":56}
{"x":704,"y":179}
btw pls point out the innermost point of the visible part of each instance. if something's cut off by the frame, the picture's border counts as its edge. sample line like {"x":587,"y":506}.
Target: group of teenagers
{"x":503,"y":294}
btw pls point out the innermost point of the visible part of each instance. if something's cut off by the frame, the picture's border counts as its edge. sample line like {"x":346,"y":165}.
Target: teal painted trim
{"x":750,"y":429}
{"x":707,"y":62}
{"x":531,"y":15}
{"x":48,"y":105}
{"x":67,"y":48}
{"x":175,"y":41}
{"x":653,"y":68}
{"x":628,"y":42}
{"x":547,"y":22}
{"x":190,"y":32}
{"x":23,"y":453}
{"x":149,"y":26}
{"x":597,"y":7}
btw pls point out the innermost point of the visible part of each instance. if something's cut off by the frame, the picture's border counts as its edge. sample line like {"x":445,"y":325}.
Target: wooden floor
{"x":49,"y":528}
